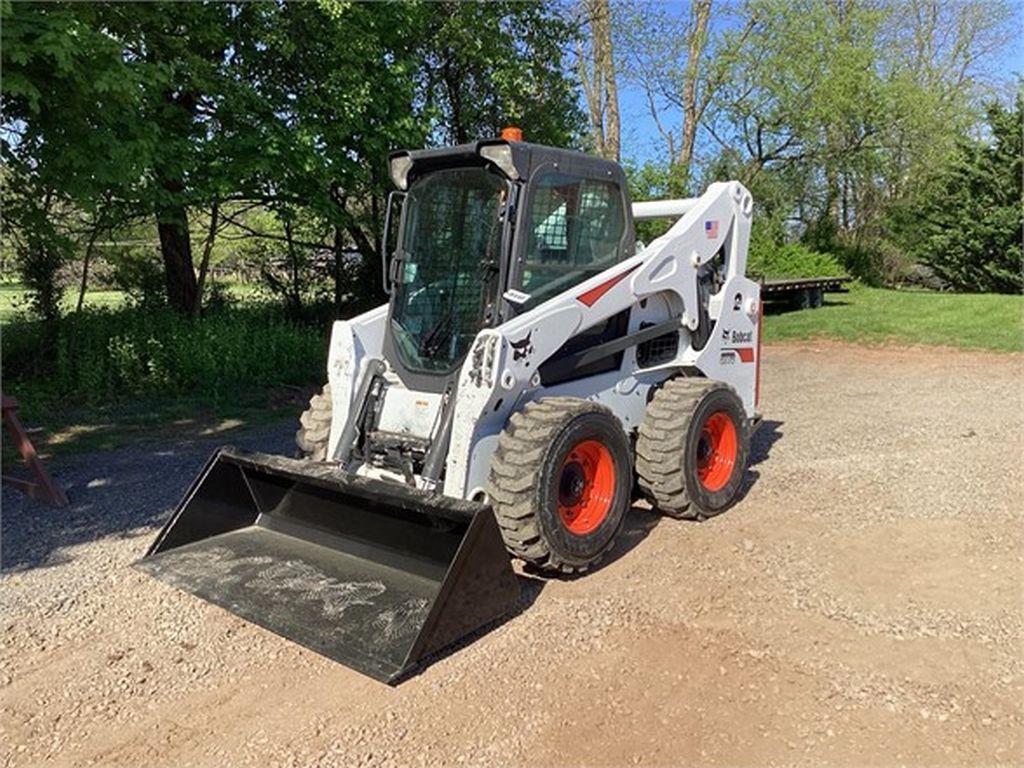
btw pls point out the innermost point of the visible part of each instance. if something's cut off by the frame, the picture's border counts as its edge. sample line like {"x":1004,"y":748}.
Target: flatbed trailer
{"x":803,"y":292}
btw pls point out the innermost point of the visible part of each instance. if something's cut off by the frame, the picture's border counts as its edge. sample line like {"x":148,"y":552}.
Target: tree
{"x":378,"y":77}
{"x":681,"y":65}
{"x":205,"y":118}
{"x":970,"y":228}
{"x":823,"y":97}
{"x":65,"y":145}
{"x":343,"y":82}
{"x":693,"y":108}
{"x":488,"y":65}
{"x":598,"y":78}
{"x":191,"y":112}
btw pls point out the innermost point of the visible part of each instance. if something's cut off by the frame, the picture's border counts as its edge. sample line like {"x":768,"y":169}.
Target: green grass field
{"x":13,"y":300}
{"x":867,"y":315}
{"x":883,"y":316}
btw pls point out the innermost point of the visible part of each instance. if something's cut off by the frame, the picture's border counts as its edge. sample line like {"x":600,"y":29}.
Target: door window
{"x":574,"y":231}
{"x":449,"y":253}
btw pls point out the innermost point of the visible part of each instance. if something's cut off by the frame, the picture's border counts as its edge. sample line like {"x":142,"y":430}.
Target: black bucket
{"x":370,"y":573}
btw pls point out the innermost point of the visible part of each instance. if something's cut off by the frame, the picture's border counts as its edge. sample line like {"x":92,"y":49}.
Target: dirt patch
{"x":861,"y":605}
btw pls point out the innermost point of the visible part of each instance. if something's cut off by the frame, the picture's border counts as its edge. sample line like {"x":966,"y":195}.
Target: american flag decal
{"x":711,"y":229}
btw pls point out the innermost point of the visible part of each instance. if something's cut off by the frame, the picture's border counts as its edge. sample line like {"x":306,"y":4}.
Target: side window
{"x":574,"y":231}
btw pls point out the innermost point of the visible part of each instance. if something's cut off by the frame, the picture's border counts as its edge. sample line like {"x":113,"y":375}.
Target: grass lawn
{"x":13,"y":300}
{"x":880,"y":316}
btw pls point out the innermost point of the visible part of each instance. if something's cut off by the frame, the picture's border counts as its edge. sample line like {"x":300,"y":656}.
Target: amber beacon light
{"x":512,"y":133}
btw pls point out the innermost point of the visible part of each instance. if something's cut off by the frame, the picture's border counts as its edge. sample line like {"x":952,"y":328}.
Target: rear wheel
{"x":315,"y":426}
{"x":692,"y":448}
{"x":560,"y":483}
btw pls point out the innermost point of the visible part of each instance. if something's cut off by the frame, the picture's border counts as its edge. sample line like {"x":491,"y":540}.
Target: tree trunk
{"x":204,"y":263}
{"x":590,"y":81}
{"x":293,"y":261}
{"x":452,"y":80}
{"x":612,"y":130}
{"x":339,"y":268}
{"x":599,"y":84}
{"x":86,"y":260}
{"x":85,"y":268}
{"x":700,"y":13}
{"x":176,"y":248}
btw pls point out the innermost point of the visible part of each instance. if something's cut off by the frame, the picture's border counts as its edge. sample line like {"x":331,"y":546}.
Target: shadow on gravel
{"x":761,"y":443}
{"x":760,"y":447}
{"x":639,"y":522}
{"x":122,"y":492}
{"x":529,"y":590}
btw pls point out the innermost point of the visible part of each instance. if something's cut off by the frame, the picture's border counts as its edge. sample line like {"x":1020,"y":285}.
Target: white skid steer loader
{"x":533,"y":372}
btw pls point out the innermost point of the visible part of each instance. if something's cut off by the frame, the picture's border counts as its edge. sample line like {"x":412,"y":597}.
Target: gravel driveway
{"x":861,"y":605}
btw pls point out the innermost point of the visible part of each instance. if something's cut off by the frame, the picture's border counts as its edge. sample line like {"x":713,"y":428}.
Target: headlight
{"x":501,"y":156}
{"x":398,"y":167}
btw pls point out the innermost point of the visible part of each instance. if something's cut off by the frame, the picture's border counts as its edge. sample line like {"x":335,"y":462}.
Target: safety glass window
{"x":449,"y":253}
{"x":574,"y":231}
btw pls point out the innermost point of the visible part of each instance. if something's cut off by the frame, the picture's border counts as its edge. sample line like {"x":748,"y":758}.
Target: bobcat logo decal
{"x":522,"y":348}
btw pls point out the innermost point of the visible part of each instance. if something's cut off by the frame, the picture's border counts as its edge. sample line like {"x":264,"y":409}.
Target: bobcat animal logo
{"x":522,"y":348}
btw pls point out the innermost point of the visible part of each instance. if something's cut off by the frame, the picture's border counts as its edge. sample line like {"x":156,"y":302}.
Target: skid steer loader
{"x":534,"y":370}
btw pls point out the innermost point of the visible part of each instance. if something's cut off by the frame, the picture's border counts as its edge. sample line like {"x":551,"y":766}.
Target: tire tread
{"x":515,"y":467}
{"x":315,"y":426}
{"x":661,"y":444}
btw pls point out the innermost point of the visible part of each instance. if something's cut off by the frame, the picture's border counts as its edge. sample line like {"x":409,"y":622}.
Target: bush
{"x":105,"y":355}
{"x":769,"y":259}
{"x":860,"y":258}
{"x":140,"y":274}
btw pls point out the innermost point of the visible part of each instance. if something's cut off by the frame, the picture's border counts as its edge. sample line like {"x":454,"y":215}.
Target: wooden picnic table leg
{"x":44,"y":488}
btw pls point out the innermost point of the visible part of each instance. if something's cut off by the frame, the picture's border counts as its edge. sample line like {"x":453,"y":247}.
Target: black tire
{"x":315,"y":426}
{"x":803,"y":298}
{"x":537,"y":465}
{"x":817,"y":297}
{"x":669,"y":448}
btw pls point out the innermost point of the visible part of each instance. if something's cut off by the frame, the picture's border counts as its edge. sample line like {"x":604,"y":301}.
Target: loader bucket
{"x":374,"y":574}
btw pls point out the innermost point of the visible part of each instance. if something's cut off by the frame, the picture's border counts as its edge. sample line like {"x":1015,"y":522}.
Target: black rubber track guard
{"x":373,"y":574}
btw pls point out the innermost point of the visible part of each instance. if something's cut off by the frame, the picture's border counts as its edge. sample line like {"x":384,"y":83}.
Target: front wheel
{"x":560,"y":483}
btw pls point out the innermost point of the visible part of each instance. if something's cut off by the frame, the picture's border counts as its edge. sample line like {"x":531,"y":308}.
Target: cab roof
{"x":525,"y":159}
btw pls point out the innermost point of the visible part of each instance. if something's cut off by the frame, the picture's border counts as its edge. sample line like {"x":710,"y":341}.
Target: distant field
{"x":877,"y":316}
{"x":13,"y":300}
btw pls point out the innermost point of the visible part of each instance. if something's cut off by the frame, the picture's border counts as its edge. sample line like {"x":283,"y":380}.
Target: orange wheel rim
{"x":586,"y":487}
{"x":716,"y":451}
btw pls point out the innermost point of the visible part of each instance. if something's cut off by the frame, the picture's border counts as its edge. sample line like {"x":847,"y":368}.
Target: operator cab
{"x":488,"y":230}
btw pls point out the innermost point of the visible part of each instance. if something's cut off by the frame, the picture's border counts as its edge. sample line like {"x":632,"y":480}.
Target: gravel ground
{"x":861,"y":605}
